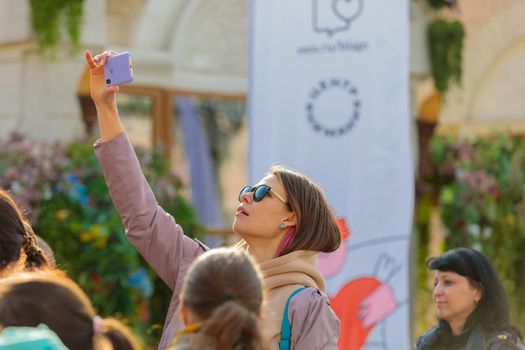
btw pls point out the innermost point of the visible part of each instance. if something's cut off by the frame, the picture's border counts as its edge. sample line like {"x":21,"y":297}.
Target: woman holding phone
{"x":283,"y":220}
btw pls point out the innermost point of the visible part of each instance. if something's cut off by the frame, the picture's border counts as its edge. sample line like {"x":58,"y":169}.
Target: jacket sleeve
{"x":503,"y":346}
{"x":152,"y":231}
{"x":504,"y":341}
{"x":314,"y":324}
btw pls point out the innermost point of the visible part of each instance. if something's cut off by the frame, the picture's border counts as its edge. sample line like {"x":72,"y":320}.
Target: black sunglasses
{"x":259,"y":192}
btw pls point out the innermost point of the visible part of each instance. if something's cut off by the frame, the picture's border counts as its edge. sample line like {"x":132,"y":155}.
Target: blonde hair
{"x":224,"y":288}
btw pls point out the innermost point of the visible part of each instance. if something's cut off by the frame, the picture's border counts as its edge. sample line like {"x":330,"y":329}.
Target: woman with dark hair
{"x":29,"y":299}
{"x":18,"y":245}
{"x":283,"y":220}
{"x":471,"y":303}
{"x":221,"y":303}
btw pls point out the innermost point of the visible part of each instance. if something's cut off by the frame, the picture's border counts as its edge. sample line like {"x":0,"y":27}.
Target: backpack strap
{"x":286,"y":328}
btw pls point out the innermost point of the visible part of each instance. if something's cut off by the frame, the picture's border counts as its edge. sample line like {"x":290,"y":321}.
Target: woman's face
{"x":454,"y":296}
{"x":262,"y":219}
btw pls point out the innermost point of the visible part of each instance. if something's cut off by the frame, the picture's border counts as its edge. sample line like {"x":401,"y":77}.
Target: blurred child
{"x":221,"y":303}
{"x":44,"y":297}
{"x":18,"y":246}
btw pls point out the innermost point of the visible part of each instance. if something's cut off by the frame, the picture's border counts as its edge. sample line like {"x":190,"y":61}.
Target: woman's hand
{"x":100,"y":92}
{"x":105,"y":97}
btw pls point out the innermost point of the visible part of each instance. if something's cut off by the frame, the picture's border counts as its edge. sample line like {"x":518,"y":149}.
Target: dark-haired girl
{"x":18,"y":246}
{"x":471,"y":303}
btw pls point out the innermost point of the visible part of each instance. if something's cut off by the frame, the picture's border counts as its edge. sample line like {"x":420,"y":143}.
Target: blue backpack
{"x":286,"y":329}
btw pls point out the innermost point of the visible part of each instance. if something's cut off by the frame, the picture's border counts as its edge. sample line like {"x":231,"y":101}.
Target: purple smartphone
{"x":117,"y":69}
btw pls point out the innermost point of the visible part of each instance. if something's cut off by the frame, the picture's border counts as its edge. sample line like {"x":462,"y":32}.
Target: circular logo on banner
{"x":333,"y":107}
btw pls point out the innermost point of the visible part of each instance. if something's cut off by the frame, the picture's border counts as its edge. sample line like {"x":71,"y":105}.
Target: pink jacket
{"x":162,"y":243}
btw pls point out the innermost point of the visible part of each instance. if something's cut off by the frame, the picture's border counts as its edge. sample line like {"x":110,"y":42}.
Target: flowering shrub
{"x":70,"y":207}
{"x":481,"y":189}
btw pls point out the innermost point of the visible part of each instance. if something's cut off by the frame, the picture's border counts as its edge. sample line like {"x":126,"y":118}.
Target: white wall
{"x":38,"y":94}
{"x":492,"y":93}
{"x":14,"y":21}
{"x":198,"y":45}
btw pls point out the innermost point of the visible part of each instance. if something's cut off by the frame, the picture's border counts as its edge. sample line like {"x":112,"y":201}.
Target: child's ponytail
{"x":118,"y":335}
{"x":35,"y":258}
{"x":233,"y":326}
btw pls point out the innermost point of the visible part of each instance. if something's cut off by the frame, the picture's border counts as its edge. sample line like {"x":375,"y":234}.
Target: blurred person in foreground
{"x":30,"y":299}
{"x":18,"y":244}
{"x":221,"y":302}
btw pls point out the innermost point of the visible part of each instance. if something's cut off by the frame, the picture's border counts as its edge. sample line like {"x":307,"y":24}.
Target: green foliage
{"x":482,"y":196}
{"x":439,"y":4}
{"x":48,"y":17}
{"x":445,"y":39}
{"x":422,"y":216}
{"x":72,"y":210}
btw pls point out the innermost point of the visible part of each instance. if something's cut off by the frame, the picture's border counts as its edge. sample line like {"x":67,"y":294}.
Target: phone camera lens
{"x":108,"y":81}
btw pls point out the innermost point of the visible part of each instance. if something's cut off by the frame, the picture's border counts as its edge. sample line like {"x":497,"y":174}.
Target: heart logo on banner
{"x":347,"y":9}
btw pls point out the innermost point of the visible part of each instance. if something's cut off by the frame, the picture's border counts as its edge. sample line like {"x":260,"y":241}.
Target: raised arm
{"x":152,"y":231}
{"x":105,"y":98}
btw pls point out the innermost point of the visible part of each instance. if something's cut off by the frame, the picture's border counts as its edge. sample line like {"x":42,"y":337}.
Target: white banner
{"x":329,"y":97}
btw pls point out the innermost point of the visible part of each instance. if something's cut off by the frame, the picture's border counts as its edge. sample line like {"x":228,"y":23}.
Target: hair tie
{"x":97,"y":325}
